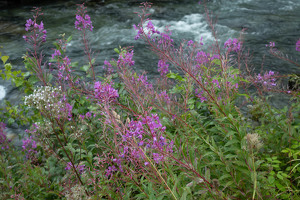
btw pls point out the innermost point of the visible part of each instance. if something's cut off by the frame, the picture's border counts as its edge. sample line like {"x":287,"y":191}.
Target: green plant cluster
{"x":218,"y":152}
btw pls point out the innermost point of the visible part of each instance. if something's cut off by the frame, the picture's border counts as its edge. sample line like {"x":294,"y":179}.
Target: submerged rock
{"x":294,"y":82}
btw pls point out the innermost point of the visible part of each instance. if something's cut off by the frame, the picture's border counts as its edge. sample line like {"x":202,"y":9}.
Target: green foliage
{"x":219,"y":149}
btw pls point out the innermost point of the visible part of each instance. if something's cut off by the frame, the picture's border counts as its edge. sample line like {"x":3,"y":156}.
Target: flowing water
{"x":265,"y":21}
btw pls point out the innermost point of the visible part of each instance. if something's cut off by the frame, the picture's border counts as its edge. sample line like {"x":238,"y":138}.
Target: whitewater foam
{"x":2,"y":92}
{"x":193,"y":24}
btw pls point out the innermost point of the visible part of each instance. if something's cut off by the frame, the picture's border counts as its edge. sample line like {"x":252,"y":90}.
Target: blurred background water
{"x":265,"y":21}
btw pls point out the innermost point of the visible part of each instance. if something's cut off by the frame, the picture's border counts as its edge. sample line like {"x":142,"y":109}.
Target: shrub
{"x":121,"y":136}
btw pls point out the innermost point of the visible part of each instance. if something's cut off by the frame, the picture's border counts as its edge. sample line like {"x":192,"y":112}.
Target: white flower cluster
{"x":42,"y":97}
{"x":49,"y":100}
{"x":77,"y":193}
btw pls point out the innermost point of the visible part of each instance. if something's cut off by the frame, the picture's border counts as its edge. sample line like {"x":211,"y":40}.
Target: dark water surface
{"x":265,"y":20}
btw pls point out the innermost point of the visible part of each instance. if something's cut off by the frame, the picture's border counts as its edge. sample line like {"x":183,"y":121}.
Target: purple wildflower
{"x":88,"y":114}
{"x":267,"y":80}
{"x":157,"y":157}
{"x":147,"y":134}
{"x":105,"y":92}
{"x":271,"y":44}
{"x":216,"y":82}
{"x":202,"y":57}
{"x":37,"y":30}
{"x":80,"y":168}
{"x":3,"y":139}
{"x":83,"y":21}
{"x":165,"y":41}
{"x":151,"y":29}
{"x":200,"y":96}
{"x":163,"y":67}
{"x":110,"y":171}
{"x":69,"y":109}
{"x":233,"y":45}
{"x":140,"y":31}
{"x":165,"y":97}
{"x":126,"y":59}
{"x":191,"y":42}
{"x":108,"y":67}
{"x":29,"y":146}
{"x":56,"y":53}
{"x":298,"y":45}
{"x":144,"y":80}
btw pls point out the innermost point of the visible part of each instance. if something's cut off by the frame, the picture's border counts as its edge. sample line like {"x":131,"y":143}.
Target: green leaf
{"x":26,"y":74}
{"x":50,"y":77}
{"x":8,"y":67}
{"x":18,"y":81}
{"x":280,"y":177}
{"x":231,"y":142}
{"x":4,"y":59}
{"x":10,"y":120}
{"x":33,"y":79}
{"x":92,"y":61}
{"x":85,"y":68}
{"x":117,"y":50}
{"x":69,"y":39}
{"x":271,"y":179}
{"x":225,"y":176}
{"x":280,"y":187}
{"x":245,"y":95}
{"x":191,"y":101}
{"x":217,"y":62}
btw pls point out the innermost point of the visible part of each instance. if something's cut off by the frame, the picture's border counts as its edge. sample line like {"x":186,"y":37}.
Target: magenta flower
{"x":80,"y":168}
{"x":145,"y":136}
{"x":108,"y":67}
{"x":200,"y":96}
{"x":29,"y":146}
{"x":165,"y":97}
{"x":83,"y":21}
{"x":69,"y":108}
{"x":37,"y":30}
{"x":271,"y":44}
{"x":216,"y":82}
{"x":267,"y":80}
{"x":144,"y":81}
{"x":202,"y":57}
{"x":55,"y":54}
{"x":162,"y":67}
{"x":105,"y":92}
{"x":191,"y":42}
{"x":88,"y":115}
{"x":139,"y":33}
{"x":298,"y":45}
{"x":233,"y":45}
{"x":3,"y":139}
{"x":126,"y":58}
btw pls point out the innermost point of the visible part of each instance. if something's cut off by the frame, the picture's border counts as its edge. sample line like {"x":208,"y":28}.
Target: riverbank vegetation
{"x":205,"y":128}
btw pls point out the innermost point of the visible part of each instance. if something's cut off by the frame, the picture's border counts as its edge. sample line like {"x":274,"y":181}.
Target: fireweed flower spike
{"x":29,"y":146}
{"x":271,"y":44}
{"x":83,"y":20}
{"x":38,"y":33}
{"x":298,"y":45}
{"x":3,"y":139}
{"x":105,"y":92}
{"x":267,"y":80}
{"x":163,"y":67}
{"x":80,"y":168}
{"x":126,"y":58}
{"x":233,"y":45}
